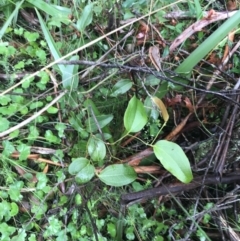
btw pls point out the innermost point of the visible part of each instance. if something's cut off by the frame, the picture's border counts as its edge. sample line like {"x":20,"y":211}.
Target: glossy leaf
{"x":77,"y":165}
{"x":96,"y":149}
{"x":85,"y":175}
{"x":135,"y":117}
{"x":121,"y":87}
{"x":118,"y":175}
{"x":174,"y":160}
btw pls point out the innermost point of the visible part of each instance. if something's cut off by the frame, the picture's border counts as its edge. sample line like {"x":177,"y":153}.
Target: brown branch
{"x":180,"y":187}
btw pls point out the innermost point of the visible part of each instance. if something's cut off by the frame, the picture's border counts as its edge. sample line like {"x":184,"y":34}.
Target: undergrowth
{"x":103,"y":99}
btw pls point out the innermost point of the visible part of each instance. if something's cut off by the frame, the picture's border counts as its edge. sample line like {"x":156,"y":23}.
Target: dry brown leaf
{"x":231,"y":5}
{"x":142,"y":33}
{"x":227,"y":48}
{"x":211,"y":17}
{"x":161,"y":107}
{"x":214,"y":59}
{"x":48,"y":161}
{"x":45,"y":170}
{"x":154,"y":55}
{"x":189,"y":104}
{"x":173,"y":101}
{"x":31,"y":156}
{"x":147,"y":169}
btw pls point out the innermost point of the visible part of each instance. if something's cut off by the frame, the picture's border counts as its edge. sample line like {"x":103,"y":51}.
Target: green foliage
{"x":174,"y":160}
{"x":97,"y":150}
{"x":83,"y":170}
{"x":86,"y":17}
{"x":4,"y":124}
{"x":117,"y":175}
{"x":62,"y":173}
{"x":135,"y":117}
{"x":121,"y":87}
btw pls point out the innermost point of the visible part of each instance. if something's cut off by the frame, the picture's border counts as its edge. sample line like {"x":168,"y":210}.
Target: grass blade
{"x":188,"y":64}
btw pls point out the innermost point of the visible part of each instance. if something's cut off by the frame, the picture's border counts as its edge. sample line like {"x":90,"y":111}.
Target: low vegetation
{"x":119,"y":120}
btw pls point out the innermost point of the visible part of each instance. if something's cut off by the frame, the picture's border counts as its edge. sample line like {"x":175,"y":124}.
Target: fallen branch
{"x":179,"y":187}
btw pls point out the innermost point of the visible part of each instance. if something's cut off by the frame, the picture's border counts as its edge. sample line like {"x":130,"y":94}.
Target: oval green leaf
{"x":77,"y":165}
{"x":85,"y":175}
{"x":135,"y":117}
{"x":96,"y":149}
{"x":52,"y":110}
{"x":174,"y":160}
{"x":121,"y":87}
{"x":118,"y":175}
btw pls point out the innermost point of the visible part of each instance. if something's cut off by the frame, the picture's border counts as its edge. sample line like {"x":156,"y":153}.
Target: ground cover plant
{"x":119,"y":120}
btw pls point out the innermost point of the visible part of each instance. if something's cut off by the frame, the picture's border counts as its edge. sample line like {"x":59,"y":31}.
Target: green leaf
{"x":6,"y":230}
{"x":14,"y":191}
{"x":86,"y":17}
{"x":33,"y":133}
{"x":4,"y":124}
{"x":96,"y":149}
{"x":121,"y":87}
{"x":14,"y":209}
{"x":36,"y":105}
{"x":86,"y":174}
{"x":174,"y":160}
{"x":118,"y":175}
{"x":52,"y":110}
{"x":102,"y":120}
{"x":111,"y":228}
{"x":31,"y":36}
{"x":20,"y":236}
{"x":42,"y":180}
{"x":19,"y":65}
{"x":10,"y":18}
{"x":8,"y":148}
{"x":151,"y":80}
{"x":83,"y":170}
{"x":60,"y":127}
{"x":77,"y":165}
{"x":135,"y":117}
{"x":51,"y":44}
{"x":5,"y":210}
{"x":24,"y":151}
{"x":5,"y":99}
{"x":51,"y":137}
{"x":62,"y":13}
{"x":198,"y":9}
